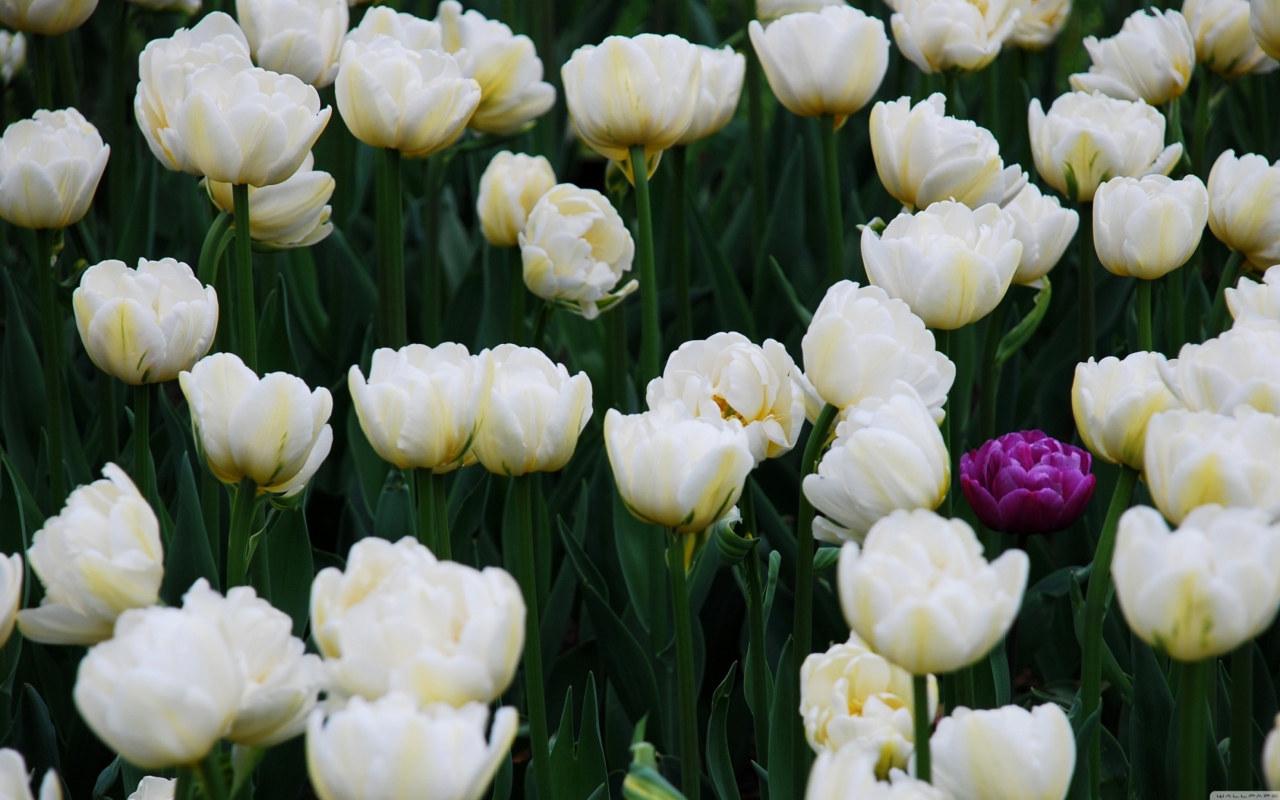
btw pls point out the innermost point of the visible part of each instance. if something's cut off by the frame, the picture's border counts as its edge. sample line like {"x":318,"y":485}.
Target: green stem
{"x":107,"y":397}
{"x":425,"y":480}
{"x":924,"y":726}
{"x":215,"y":242}
{"x":1176,"y":284}
{"x":441,"y":504}
{"x":246,"y":311}
{"x":142,"y":469}
{"x":242,"y":510}
{"x":540,"y":324}
{"x":211,"y":512}
{"x":680,"y":231}
{"x":615,"y":330}
{"x":1230,"y":274}
{"x":51,"y":329}
{"x":41,"y":47}
{"x":518,"y":292}
{"x":964,"y":686}
{"x":433,"y":275}
{"x":755,"y":123}
{"x":392,"y":326}
{"x":532,"y":640}
{"x":1085,"y":240}
{"x":1143,"y":301}
{"x":1193,"y":691}
{"x":990,"y":369}
{"x":1095,"y":612}
{"x":1241,"y":775}
{"x":690,"y":768}
{"x":1200,"y":135}
{"x":650,"y":330}
{"x":943,"y":339}
{"x":831,"y":185}
{"x":212,"y":781}
{"x":756,"y":653}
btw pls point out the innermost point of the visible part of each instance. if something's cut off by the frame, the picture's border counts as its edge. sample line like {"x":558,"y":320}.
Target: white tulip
{"x":11,"y":574}
{"x":1239,"y":368}
{"x":1204,"y":589}
{"x":50,"y":166}
{"x":575,"y":249}
{"x":950,"y":264}
{"x":723,"y":72}
{"x":677,"y":470}
{"x":920,"y":593}
{"x":945,"y":35}
{"x":1244,"y":206}
{"x":1045,"y":229}
{"x":270,"y":430}
{"x":45,"y":17}
{"x":163,"y":690}
{"x":850,"y":772}
{"x":1040,"y":23}
{"x":1271,"y":757}
{"x":13,"y":55}
{"x":391,"y":750}
{"x":296,"y":37}
{"x":1264,"y":21}
{"x":144,"y":325}
{"x":1252,"y":302}
{"x":824,"y":63}
{"x":153,"y":788}
{"x":534,"y":415}
{"x":1113,"y":401}
{"x":292,"y":213}
{"x":510,"y":187}
{"x":421,"y":405}
{"x":1087,"y":139}
{"x":1146,"y":228}
{"x":726,"y":376}
{"x":862,"y":343}
{"x":1197,"y":458}
{"x":397,"y":620}
{"x":1151,"y":59}
{"x":1006,"y":753}
{"x":413,"y":32}
{"x":768,"y":10}
{"x":100,"y":556}
{"x":1224,"y":43}
{"x":15,"y":779}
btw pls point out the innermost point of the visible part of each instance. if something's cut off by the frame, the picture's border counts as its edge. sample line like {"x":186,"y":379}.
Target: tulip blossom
{"x":1271,"y":757}
{"x":1239,"y":368}
{"x":1204,"y":589}
{"x":153,"y":788}
{"x":1150,"y":59}
{"x":11,"y":573}
{"x":1146,"y":228}
{"x":293,"y":213}
{"x":1005,"y":753}
{"x":1113,"y":400}
{"x":510,"y":187}
{"x":1040,"y":23}
{"x":13,"y":55}
{"x":1045,"y":229}
{"x":1244,"y":206}
{"x":1252,"y":302}
{"x":767,"y":10}
{"x":145,"y":325}
{"x":945,"y":35}
{"x":45,"y":17}
{"x":296,"y":37}
{"x":413,"y":32}
{"x":15,"y":779}
{"x":1264,"y":21}
{"x":50,"y":166}
{"x":851,"y":771}
{"x":1224,"y":43}
{"x":1025,"y":483}
{"x":723,"y":72}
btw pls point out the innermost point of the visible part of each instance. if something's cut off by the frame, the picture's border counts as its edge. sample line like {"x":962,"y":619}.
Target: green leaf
{"x":189,"y":558}
{"x":1080,"y":779}
{"x":107,"y":778}
{"x":803,"y":315}
{"x":1027,"y":326}
{"x":784,"y":726}
{"x":502,"y":781}
{"x":394,"y":519}
{"x":578,"y":766}
{"x":1149,"y":723}
{"x":282,"y":775}
{"x":275,"y":347}
{"x":291,"y":567}
{"x":369,"y":468}
{"x":733,"y":548}
{"x":719,"y":764}
{"x":825,"y":558}
{"x":33,"y":734}
{"x":731,"y":301}
{"x":644,"y":783}
{"x":642,"y":553}
{"x":304,"y":295}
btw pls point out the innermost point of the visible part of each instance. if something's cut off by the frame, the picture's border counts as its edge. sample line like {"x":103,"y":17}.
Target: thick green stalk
{"x":392,"y":325}
{"x":650,"y":323}
{"x":246,"y":311}
{"x":680,"y":232}
{"x":756,"y":655}
{"x":1193,"y":692}
{"x":242,"y":510}
{"x":1241,"y":775}
{"x":943,"y":339}
{"x":212,"y":781}
{"x":425,"y":480}
{"x":432,"y":274}
{"x":533,"y":686}
{"x":1095,"y":611}
{"x":441,"y":505}
{"x":518,"y":291}
{"x":142,"y":471}
{"x":924,"y":726}
{"x":1143,"y":301}
{"x":690,"y":767}
{"x":51,"y":330}
{"x":1085,"y":240}
{"x":990,"y":369}
{"x":831,"y":185}
{"x":1230,"y":274}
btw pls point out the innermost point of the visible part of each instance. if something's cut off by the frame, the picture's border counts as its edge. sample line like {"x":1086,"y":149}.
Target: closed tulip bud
{"x":1197,"y":458}
{"x":662,"y":76}
{"x":1113,"y":400}
{"x":44,"y":17}
{"x":1086,"y":139}
{"x":512,"y":91}
{"x":888,"y":455}
{"x":292,"y":213}
{"x":1264,"y":21}
{"x":1224,"y":43}
{"x":145,"y":325}
{"x":13,"y":55}
{"x":826,"y":63}
{"x":945,"y":35}
{"x":397,"y":620}
{"x":727,"y":376}
{"x":1045,"y":229}
{"x":862,"y":343}
{"x":510,"y":187}
{"x":296,"y":37}
{"x":925,"y":157}
{"x":153,"y":788}
{"x":1244,"y":206}
{"x":1204,"y":589}
{"x":851,"y":771}
{"x":1252,"y":302}
{"x":1151,"y":59}
{"x":576,"y":249}
{"x":850,"y":694}
{"x":163,"y":68}
{"x":1239,"y":368}
{"x":421,"y":405}
{"x":721,"y":86}
{"x":100,"y":556}
{"x":1006,"y":753}
{"x":677,"y":470}
{"x":534,"y":415}
{"x":950,"y":264}
{"x":920,"y":593}
{"x":50,"y":166}
{"x":163,"y":690}
{"x":10,"y":594}
{"x":1146,"y":228}
{"x":1040,"y":23}
{"x":392,"y":750}
{"x":271,"y":430}
{"x":768,"y":10}
{"x":15,"y":779}
{"x":1271,"y":757}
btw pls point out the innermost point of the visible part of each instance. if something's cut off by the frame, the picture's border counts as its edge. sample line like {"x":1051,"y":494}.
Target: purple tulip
{"x":1027,"y":482}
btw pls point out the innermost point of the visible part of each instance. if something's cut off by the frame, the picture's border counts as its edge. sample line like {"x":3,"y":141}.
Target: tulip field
{"x":640,"y":399}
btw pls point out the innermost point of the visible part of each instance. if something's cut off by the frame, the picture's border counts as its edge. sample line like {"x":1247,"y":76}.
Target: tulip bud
{"x":1086,"y":139}
{"x":512,"y":92}
{"x":534,"y":415}
{"x":163,"y":690}
{"x":15,"y":779}
{"x":1045,"y":229}
{"x":1151,"y":58}
{"x":397,"y":620}
{"x":1025,"y":483}
{"x":1252,"y":302}
{"x":100,"y":556}
{"x":662,"y":74}
{"x":1239,"y":368}
{"x":296,"y":37}
{"x":10,"y":593}
{"x":1224,"y":43}
{"x":509,"y":188}
{"x":1264,"y":21}
{"x":677,"y":470}
{"x":13,"y":55}
{"x":292,"y":213}
{"x":920,"y":593}
{"x":1113,"y":400}
{"x":1193,"y":459}
{"x":861,"y":344}
{"x":270,"y":430}
{"x":1244,"y":206}
{"x":1204,"y":589}
{"x":950,"y":264}
{"x":45,"y":18}
{"x":945,"y":35}
{"x":1040,"y":23}
{"x":888,"y":455}
{"x":728,"y":377}
{"x":769,"y":10}
{"x":924,"y":157}
{"x":1271,"y":757}
{"x":721,"y":86}
{"x":421,"y":405}
{"x":392,"y":750}
{"x":1146,"y":228}
{"x":50,"y":166}
{"x":826,"y":63}
{"x":163,"y":68}
{"x":851,"y":771}
{"x":152,"y":788}
{"x":1006,"y":753}
{"x":144,"y":325}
